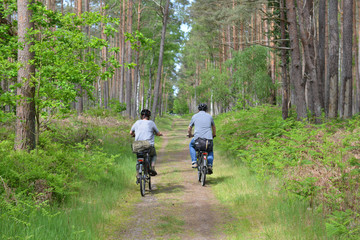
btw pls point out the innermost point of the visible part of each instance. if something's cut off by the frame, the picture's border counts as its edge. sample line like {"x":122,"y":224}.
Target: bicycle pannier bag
{"x":138,"y":146}
{"x":202,"y":144}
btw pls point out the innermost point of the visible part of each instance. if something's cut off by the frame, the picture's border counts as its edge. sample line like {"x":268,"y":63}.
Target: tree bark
{"x":137,"y":67}
{"x":307,"y":38}
{"x":105,"y":83}
{"x":128,"y":91}
{"x":321,"y":53}
{"x":358,"y":61}
{"x":122,"y":71}
{"x":25,"y":108}
{"x":161,"y":54}
{"x":284,"y":56}
{"x":296,"y":73}
{"x":346,"y":70}
{"x":79,"y":99}
{"x":333,"y":61}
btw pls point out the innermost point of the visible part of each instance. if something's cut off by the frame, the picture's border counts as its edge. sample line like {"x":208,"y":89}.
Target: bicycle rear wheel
{"x":142,"y":180}
{"x":203,"y":175}
{"x":199,"y":163}
{"x":142,"y":185}
{"x":149,"y":182}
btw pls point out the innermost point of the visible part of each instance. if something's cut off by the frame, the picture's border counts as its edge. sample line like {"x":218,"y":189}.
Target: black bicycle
{"x":202,"y":162}
{"x":143,"y":169}
{"x":202,"y":147}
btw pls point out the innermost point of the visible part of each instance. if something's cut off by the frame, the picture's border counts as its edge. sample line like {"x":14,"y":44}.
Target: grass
{"x":86,"y":213}
{"x":170,"y":225}
{"x":261,"y":212}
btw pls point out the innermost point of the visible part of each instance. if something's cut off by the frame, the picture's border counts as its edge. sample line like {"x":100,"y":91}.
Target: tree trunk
{"x":128,"y":91}
{"x":296,"y":73}
{"x":307,"y":34}
{"x":272,"y":64}
{"x":161,"y":54}
{"x":284,"y":57}
{"x":79,"y":99}
{"x":137,"y":67}
{"x":235,"y":36}
{"x":147,"y":105}
{"x":25,"y":108}
{"x":358,"y":61}
{"x":321,"y":53}
{"x":105,"y":83}
{"x":346,"y":70}
{"x":122,"y":71}
{"x":333,"y":61}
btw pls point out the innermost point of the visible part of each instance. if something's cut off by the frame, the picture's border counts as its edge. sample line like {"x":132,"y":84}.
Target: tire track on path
{"x":178,"y":207}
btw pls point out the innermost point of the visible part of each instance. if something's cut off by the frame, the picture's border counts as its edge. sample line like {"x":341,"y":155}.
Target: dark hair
{"x":145,"y":113}
{"x":202,"y":107}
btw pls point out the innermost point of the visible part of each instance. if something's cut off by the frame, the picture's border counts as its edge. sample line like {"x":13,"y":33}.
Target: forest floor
{"x":178,"y":207}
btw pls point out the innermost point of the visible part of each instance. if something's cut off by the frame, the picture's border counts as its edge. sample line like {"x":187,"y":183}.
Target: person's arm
{"x":132,"y":131}
{"x":189,"y":132}
{"x":156,"y":130}
{"x":213,"y":130}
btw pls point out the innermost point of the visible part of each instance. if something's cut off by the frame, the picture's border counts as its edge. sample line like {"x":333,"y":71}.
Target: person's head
{"x":145,"y":113}
{"x":202,"y":107}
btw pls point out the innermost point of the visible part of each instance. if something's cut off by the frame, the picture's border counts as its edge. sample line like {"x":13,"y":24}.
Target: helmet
{"x":145,"y":113}
{"x":202,"y":107}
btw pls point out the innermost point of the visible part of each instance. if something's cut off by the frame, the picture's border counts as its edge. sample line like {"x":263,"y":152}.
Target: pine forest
{"x":280,"y":79}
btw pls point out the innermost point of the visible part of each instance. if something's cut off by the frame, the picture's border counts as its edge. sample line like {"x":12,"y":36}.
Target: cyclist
{"x":204,"y":128}
{"x":145,"y":129}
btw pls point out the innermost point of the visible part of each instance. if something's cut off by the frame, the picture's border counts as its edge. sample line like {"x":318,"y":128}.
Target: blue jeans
{"x":193,"y":153}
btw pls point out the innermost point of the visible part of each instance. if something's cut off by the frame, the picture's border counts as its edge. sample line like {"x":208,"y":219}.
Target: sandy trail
{"x":178,"y":207}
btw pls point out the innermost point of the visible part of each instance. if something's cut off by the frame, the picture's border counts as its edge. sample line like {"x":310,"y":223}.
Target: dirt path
{"x":178,"y":207}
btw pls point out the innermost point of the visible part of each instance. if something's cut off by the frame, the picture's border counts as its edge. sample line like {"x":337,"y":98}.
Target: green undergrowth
{"x":260,"y":211}
{"x":317,"y":165}
{"x":64,"y":188}
{"x":164,"y":123}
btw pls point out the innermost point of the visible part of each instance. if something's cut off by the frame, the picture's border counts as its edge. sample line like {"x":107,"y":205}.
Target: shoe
{"x":152,"y":172}
{"x":137,"y":180}
{"x":210,"y":170}
{"x":194,"y":165}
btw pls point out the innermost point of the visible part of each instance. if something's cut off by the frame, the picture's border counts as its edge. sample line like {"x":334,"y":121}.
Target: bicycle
{"x":143,"y":170}
{"x":203,"y":146}
{"x":202,"y":162}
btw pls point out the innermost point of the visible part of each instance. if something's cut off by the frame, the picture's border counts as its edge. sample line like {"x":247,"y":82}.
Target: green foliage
{"x":252,"y":82}
{"x":180,"y":106}
{"x":50,"y":193}
{"x":340,"y":225}
{"x":316,"y":163}
{"x":117,"y":106}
